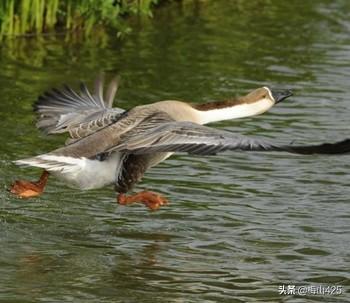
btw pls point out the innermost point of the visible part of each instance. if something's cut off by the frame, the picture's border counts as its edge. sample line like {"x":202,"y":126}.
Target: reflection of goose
{"x":112,"y":146}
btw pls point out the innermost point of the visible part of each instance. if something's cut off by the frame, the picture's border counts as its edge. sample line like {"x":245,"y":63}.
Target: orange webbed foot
{"x":27,"y":189}
{"x":151,"y":199}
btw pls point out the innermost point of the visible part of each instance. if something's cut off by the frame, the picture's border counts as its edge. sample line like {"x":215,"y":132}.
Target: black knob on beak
{"x":280,"y":95}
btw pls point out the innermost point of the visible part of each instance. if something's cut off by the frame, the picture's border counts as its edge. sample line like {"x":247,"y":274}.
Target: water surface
{"x":239,"y":224}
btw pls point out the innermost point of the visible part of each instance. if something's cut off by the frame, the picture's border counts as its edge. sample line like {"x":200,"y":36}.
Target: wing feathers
{"x":341,"y":147}
{"x":98,"y":94}
{"x":196,"y":139}
{"x":64,"y":110}
{"x":111,"y":91}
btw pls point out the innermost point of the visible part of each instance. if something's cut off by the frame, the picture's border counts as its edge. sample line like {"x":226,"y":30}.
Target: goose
{"x":109,"y":145}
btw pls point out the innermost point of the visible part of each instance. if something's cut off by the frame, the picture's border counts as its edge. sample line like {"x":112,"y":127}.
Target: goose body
{"x":116,"y":146}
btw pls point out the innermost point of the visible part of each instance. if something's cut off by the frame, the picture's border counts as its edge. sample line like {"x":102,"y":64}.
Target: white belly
{"x":85,"y":173}
{"x":90,"y":174}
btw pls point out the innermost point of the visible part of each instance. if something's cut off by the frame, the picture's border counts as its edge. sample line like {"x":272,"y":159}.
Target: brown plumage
{"x":259,"y":93}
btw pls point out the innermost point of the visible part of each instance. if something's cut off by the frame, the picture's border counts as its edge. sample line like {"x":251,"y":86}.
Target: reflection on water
{"x":239,"y":224}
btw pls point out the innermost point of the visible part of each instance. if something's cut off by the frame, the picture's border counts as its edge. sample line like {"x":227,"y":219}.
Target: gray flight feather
{"x":202,"y":140}
{"x":79,"y":114}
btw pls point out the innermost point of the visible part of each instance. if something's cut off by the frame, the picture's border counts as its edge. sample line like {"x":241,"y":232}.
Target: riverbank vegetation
{"x":45,"y":17}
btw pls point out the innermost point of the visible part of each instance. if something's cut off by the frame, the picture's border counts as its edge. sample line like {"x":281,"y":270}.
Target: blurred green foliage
{"x":34,"y":17}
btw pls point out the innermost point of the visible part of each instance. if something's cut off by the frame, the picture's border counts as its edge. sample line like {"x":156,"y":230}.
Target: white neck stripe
{"x":235,"y":112}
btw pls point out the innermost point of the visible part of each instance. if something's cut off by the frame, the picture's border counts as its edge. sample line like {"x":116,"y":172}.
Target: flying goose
{"x":109,"y":145}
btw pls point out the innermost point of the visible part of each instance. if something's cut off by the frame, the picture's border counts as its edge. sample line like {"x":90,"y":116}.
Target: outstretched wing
{"x":80,"y":114}
{"x":197,"y":139}
{"x":154,"y":132}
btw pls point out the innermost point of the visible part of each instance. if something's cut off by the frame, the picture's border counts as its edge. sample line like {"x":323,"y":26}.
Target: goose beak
{"x":280,"y":95}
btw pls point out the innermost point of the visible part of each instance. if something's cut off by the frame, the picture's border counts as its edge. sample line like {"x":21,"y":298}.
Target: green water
{"x":239,"y":224}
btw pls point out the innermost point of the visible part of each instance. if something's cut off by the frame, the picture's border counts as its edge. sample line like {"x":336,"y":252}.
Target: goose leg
{"x":151,"y":199}
{"x":27,"y":189}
